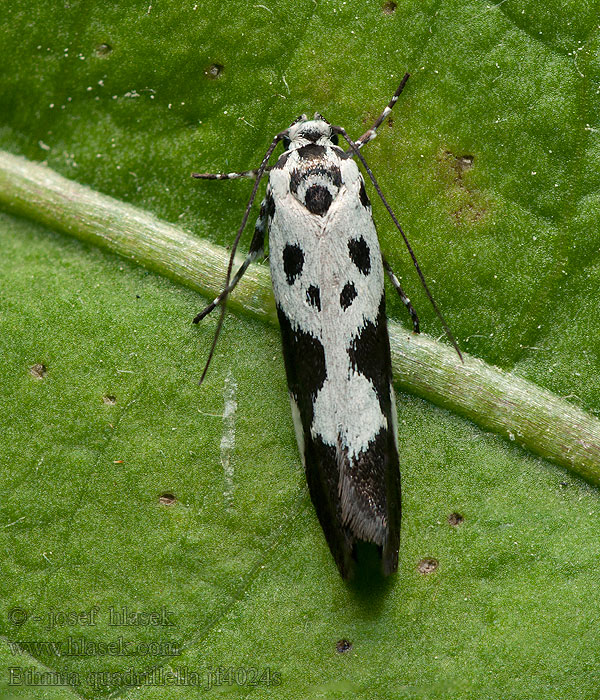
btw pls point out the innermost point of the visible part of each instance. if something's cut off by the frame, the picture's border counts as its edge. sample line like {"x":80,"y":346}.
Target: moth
{"x":327,"y":272}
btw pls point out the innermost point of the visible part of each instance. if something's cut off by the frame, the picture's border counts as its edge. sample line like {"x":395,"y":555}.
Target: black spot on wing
{"x":311,"y":151}
{"x":335,"y":175}
{"x":304,"y":358}
{"x":269,"y":206}
{"x":348,"y":295}
{"x":313,"y":296}
{"x":293,"y":262}
{"x":359,"y":254}
{"x":370,"y":356}
{"x":296,"y":178}
{"x":280,"y":165}
{"x":364,"y":197}
{"x":318,"y":200}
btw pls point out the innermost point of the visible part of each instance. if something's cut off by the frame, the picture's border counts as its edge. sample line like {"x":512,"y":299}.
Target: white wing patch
{"x":350,"y":413}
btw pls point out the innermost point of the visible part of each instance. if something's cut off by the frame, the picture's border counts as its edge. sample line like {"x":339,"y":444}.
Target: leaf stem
{"x":497,"y":401}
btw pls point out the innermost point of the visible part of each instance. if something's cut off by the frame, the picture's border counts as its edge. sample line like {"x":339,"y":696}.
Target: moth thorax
{"x":313,"y":131}
{"x":317,"y":187}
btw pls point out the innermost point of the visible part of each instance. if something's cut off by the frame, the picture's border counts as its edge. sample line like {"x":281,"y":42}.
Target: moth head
{"x":303,"y":131}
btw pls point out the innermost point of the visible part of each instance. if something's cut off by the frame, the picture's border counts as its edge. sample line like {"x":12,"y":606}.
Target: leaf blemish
{"x":167,"y":499}
{"x":466,"y":202}
{"x":214,"y":71}
{"x":103,"y":49}
{"x":427,"y":565}
{"x":228,"y":438}
{"x":38,"y":370}
{"x":455,"y":519}
{"x":460,"y":164}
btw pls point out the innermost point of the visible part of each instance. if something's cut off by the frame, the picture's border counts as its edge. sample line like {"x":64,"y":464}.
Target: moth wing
{"x":368,"y":464}
{"x":337,"y":359}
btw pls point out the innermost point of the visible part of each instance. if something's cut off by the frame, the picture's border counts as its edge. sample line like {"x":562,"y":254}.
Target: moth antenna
{"x":405,"y":300}
{"x":342,"y":131}
{"x":259,"y":173}
{"x":372,"y":132}
{"x":230,"y":176}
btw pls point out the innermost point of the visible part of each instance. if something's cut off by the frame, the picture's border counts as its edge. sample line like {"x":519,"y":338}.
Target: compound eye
{"x":334,"y":139}
{"x":286,"y":143}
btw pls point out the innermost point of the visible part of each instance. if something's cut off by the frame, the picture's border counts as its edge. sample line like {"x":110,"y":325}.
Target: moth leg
{"x":405,"y":300}
{"x":256,"y":249}
{"x":372,"y":132}
{"x":251,"y":174}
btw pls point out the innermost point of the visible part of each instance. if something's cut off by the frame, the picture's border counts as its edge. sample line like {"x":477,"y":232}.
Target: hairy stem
{"x":496,"y":400}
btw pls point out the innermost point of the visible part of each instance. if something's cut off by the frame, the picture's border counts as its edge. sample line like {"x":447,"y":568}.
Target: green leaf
{"x":491,"y":164}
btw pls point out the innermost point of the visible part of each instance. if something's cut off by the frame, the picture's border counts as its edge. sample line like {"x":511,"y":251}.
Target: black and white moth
{"x":328,"y":279}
